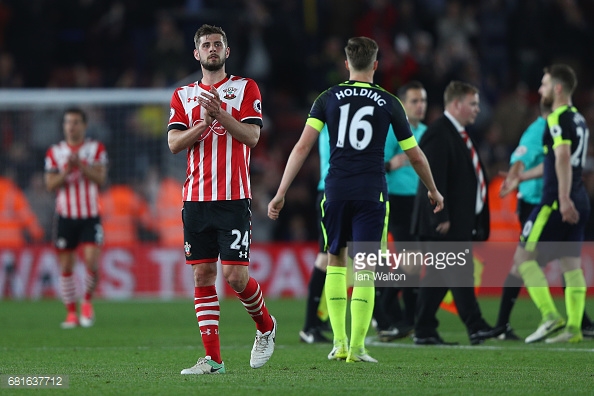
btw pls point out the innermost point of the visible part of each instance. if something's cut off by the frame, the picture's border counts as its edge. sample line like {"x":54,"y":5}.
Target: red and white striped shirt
{"x":78,"y":198}
{"x":218,"y":164}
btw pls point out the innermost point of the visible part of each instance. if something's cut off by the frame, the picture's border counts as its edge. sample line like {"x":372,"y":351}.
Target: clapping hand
{"x":211,"y":102}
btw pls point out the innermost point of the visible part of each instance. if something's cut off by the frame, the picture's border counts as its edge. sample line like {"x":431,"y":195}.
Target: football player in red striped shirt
{"x":75,"y":168}
{"x":217,"y":120}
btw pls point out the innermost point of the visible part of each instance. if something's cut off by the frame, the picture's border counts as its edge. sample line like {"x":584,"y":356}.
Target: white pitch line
{"x":117,"y":348}
{"x":372,"y":342}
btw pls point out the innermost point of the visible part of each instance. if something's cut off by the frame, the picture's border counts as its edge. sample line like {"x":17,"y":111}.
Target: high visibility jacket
{"x":16,"y":216}
{"x":168,"y":220}
{"x":505,"y":226}
{"x":122,"y":211}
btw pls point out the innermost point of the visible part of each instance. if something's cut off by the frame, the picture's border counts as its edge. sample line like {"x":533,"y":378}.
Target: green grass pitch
{"x":139,"y":347}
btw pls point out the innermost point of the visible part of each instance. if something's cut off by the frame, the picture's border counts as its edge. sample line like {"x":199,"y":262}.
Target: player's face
{"x":469,"y":109}
{"x":74,"y":128}
{"x":546,"y":90}
{"x":212,"y":52}
{"x":415,"y":104}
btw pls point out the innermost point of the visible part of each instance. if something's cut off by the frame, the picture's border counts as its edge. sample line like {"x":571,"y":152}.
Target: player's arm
{"x":179,"y":140}
{"x":533,"y":173}
{"x":436,"y":148}
{"x":420,"y":164}
{"x":512,"y":178}
{"x":55,"y":179}
{"x":246,"y":133}
{"x":96,"y":172}
{"x":295,"y":162}
{"x":397,"y":162}
{"x":181,"y":134}
{"x":395,"y":158}
{"x":564,"y":172}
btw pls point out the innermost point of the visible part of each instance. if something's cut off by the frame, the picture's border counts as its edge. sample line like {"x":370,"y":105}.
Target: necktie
{"x":482,"y":192}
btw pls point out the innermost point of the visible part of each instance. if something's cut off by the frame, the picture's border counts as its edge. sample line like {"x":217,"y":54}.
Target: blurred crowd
{"x":294,"y":50}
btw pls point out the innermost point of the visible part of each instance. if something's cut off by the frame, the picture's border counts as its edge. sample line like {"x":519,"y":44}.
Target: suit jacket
{"x":455,"y":178}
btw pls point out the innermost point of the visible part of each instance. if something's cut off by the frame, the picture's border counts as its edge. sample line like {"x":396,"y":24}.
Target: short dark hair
{"x":457,"y":90}
{"x":564,"y":75}
{"x":361,"y":52}
{"x":205,"y":30}
{"x":413,"y":84}
{"x":75,"y":110}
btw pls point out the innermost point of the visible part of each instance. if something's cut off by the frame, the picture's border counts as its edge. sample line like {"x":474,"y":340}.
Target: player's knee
{"x":67,"y":261}
{"x":237,"y":283}
{"x":570,"y":263}
{"x":522,"y":255}
{"x":514,"y":271}
{"x":237,"y":277}
{"x":204,"y":275}
{"x":321,"y":261}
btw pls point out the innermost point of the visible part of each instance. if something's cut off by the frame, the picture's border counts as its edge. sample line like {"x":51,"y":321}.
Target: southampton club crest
{"x":187,"y":248}
{"x":229,"y":93}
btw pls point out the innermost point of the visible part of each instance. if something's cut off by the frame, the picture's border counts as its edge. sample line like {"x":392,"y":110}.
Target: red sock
{"x":206,"y":304}
{"x":91,"y":278}
{"x":253,"y":301}
{"x":68,"y":289}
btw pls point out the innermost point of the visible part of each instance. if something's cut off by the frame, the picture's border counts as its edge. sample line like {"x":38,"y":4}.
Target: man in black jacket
{"x":459,"y":175}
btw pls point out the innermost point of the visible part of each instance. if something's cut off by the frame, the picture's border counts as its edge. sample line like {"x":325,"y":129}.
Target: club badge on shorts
{"x":187,"y":248}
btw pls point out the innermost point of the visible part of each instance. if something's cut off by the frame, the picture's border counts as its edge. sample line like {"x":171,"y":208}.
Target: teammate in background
{"x":218,"y":121}
{"x":525,"y":160}
{"x":402,"y":189}
{"x":562,"y":213}
{"x":525,"y":157}
{"x":76,"y":168}
{"x":312,"y":328}
{"x":358,"y":114}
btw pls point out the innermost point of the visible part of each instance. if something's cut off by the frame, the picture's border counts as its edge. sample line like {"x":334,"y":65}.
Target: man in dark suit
{"x":459,"y":175}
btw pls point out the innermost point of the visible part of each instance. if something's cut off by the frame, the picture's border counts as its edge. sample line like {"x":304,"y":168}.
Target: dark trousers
{"x":387,"y":309}
{"x":434,"y":287}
